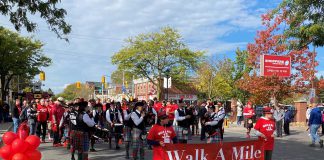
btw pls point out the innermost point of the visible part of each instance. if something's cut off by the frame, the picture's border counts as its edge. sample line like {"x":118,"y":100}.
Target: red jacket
{"x":248,"y":112}
{"x":58,"y":112}
{"x":266,"y":127}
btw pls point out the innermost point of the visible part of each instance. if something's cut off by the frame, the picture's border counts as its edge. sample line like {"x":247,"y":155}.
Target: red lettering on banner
{"x":249,"y":150}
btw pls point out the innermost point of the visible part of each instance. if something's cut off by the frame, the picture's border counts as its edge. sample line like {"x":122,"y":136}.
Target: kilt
{"x":246,"y":124}
{"x":215,"y":138}
{"x":127,"y":134}
{"x":137,"y":142}
{"x":179,"y":133}
{"x":66,"y":132}
{"x":79,"y":141}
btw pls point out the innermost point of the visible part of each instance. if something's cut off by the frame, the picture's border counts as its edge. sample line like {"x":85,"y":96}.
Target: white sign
{"x":167,"y":83}
{"x":312,"y":95}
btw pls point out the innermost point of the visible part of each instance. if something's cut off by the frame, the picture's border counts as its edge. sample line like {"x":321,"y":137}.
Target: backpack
{"x":23,"y":115}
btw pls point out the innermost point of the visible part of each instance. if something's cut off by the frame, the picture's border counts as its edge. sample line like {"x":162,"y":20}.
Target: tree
{"x":19,"y":56}
{"x":20,"y":11}
{"x":204,"y":82}
{"x":305,"y":19}
{"x":272,"y":41}
{"x":151,"y":55}
{"x":117,"y":76}
{"x":71,"y":92}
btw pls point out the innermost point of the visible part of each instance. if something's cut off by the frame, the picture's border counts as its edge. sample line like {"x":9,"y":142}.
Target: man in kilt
{"x":182,"y":128}
{"x":212,"y":126}
{"x":80,"y":132}
{"x":138,"y":131}
{"x":127,"y":127}
{"x":115,"y":121}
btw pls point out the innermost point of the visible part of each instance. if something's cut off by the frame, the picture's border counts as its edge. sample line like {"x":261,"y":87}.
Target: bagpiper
{"x":212,"y":126}
{"x":127,"y":110}
{"x":115,"y":124}
{"x":181,"y":118}
{"x":138,"y":131}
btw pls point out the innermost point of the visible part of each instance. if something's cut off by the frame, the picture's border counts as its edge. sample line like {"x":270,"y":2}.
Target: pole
{"x":18,"y":85}
{"x":102,"y":90}
{"x":167,"y":87}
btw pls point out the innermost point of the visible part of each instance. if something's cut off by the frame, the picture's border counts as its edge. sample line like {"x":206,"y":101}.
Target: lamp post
{"x":167,"y":73}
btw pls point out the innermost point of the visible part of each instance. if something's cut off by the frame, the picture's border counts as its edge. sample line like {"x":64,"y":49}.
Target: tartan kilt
{"x":127,"y":134}
{"x":79,"y":141}
{"x":181,"y":136}
{"x":215,"y":138}
{"x":66,"y":131}
{"x":137,"y":142}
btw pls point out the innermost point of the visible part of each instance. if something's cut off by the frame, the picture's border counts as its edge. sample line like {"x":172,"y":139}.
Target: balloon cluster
{"x":20,"y":147}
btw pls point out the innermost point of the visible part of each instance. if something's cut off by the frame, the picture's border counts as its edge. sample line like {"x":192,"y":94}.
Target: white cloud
{"x":100,"y":26}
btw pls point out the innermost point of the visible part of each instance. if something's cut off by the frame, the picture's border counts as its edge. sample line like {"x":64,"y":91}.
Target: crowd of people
{"x":137,"y":124}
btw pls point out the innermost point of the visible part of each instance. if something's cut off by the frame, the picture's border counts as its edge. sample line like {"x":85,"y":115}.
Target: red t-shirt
{"x":157,"y":106}
{"x":160,"y":133}
{"x":58,"y":112}
{"x":266,"y":127}
{"x":171,"y":108}
{"x":249,"y":111}
{"x":43,"y":112}
{"x":49,"y":109}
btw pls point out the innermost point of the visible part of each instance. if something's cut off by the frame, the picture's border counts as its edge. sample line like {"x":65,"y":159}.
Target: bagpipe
{"x":210,"y":130}
{"x":149,"y":118}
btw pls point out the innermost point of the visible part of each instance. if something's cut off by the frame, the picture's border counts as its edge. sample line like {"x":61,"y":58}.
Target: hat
{"x":139,"y":104}
{"x":162,"y":115}
{"x":249,"y":103}
{"x":267,"y":110}
{"x":60,"y":99}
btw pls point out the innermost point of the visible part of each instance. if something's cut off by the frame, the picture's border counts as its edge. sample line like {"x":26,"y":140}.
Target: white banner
{"x":167,"y":83}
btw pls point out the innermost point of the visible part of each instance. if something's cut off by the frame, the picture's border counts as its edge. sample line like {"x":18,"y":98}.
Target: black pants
{"x":267,"y":155}
{"x":41,"y":129}
{"x":279,"y":128}
{"x":57,"y":136}
{"x":202,"y":133}
{"x":323,"y":128}
{"x":286,"y":128}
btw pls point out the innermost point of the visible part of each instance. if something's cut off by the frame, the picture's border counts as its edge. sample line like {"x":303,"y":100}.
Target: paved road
{"x":293,"y":147}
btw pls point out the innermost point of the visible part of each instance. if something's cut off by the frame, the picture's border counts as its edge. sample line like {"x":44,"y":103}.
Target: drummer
{"x":115,"y":124}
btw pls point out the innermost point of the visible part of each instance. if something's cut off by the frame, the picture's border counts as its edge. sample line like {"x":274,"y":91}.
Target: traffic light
{"x":78,"y":84}
{"x":106,"y":85}
{"x":126,"y":84}
{"x":42,"y":76}
{"x":103,"y":79}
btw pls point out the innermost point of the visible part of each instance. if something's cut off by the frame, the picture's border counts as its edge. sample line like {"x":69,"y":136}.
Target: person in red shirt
{"x":248,"y":113}
{"x":157,"y":105}
{"x":161,"y":134}
{"x":265,"y":128}
{"x":49,"y":104}
{"x":170,"y":109}
{"x":57,"y":114}
{"x":42,"y":119}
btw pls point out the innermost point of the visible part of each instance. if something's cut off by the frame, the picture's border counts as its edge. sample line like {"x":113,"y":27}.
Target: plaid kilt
{"x":66,"y":132}
{"x":181,"y":136}
{"x":79,"y":141}
{"x":127,"y":134}
{"x":215,"y":138}
{"x":137,"y":142}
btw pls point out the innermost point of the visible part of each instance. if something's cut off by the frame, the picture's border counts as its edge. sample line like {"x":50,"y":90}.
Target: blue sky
{"x":100,"y":27}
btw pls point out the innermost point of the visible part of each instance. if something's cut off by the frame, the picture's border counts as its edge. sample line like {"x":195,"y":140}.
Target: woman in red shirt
{"x":248,"y":113}
{"x":265,"y":127}
{"x":161,"y":134}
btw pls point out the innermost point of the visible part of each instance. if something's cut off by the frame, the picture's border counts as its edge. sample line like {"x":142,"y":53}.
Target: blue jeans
{"x":32,"y":127}
{"x":16,"y":122}
{"x":239,"y":119}
{"x":313,"y":130}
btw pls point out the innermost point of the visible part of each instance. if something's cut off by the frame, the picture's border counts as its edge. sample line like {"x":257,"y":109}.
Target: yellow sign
{"x":78,"y":84}
{"x":42,"y":76}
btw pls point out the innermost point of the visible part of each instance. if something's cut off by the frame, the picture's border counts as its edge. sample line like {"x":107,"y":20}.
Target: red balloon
{"x":33,"y":141}
{"x":34,"y":155}
{"x":23,"y":130}
{"x":9,"y":137}
{"x":19,"y":156}
{"x":6,"y":152}
{"x":19,"y":146}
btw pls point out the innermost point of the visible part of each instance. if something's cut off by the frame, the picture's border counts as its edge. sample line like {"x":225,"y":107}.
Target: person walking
{"x":137,"y":117}
{"x":288,"y":117}
{"x":42,"y":118}
{"x":32,"y":118}
{"x":239,"y":114}
{"x":15,"y":115}
{"x":57,"y":112}
{"x":161,"y":134}
{"x":265,"y":128}
{"x":315,"y":121}
{"x":279,"y":115}
{"x":248,"y":113}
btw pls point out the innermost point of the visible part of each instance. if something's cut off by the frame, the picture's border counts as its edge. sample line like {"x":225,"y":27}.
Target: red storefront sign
{"x":249,"y":150}
{"x":275,"y":65}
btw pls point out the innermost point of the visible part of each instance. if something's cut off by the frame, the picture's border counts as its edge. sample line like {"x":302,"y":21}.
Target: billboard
{"x":271,"y":65}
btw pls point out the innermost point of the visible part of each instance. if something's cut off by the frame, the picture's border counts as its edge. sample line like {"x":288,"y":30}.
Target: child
{"x":265,"y":128}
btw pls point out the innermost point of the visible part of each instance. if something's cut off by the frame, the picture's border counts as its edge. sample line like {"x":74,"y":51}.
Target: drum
{"x":118,"y":128}
{"x":101,"y":133}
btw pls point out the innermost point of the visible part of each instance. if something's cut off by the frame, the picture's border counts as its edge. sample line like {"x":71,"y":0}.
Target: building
{"x":111,"y":91}
{"x":144,"y":89}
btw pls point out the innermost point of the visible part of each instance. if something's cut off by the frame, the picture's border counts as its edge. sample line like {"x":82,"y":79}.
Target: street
{"x":293,"y":147}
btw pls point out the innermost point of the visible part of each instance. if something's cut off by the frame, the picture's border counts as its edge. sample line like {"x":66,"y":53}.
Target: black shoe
{"x":117,"y":147}
{"x":92,"y":150}
{"x":321,"y":143}
{"x":312,"y":145}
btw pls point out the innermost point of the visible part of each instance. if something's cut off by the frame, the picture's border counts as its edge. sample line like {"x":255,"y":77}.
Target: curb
{"x":1,"y":143}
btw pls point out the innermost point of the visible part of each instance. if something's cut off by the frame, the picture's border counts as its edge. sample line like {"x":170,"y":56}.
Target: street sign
{"x":271,"y":65}
{"x":167,"y":83}
{"x":312,"y":95}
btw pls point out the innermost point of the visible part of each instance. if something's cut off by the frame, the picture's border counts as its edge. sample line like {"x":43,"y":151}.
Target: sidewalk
{"x":4,"y":127}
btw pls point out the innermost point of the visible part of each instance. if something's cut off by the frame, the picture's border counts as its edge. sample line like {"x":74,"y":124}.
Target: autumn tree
{"x":20,"y":13}
{"x":20,"y":56}
{"x":151,"y":55}
{"x":271,"y":41}
{"x":305,"y":21}
{"x":118,"y":75}
{"x":71,"y":92}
